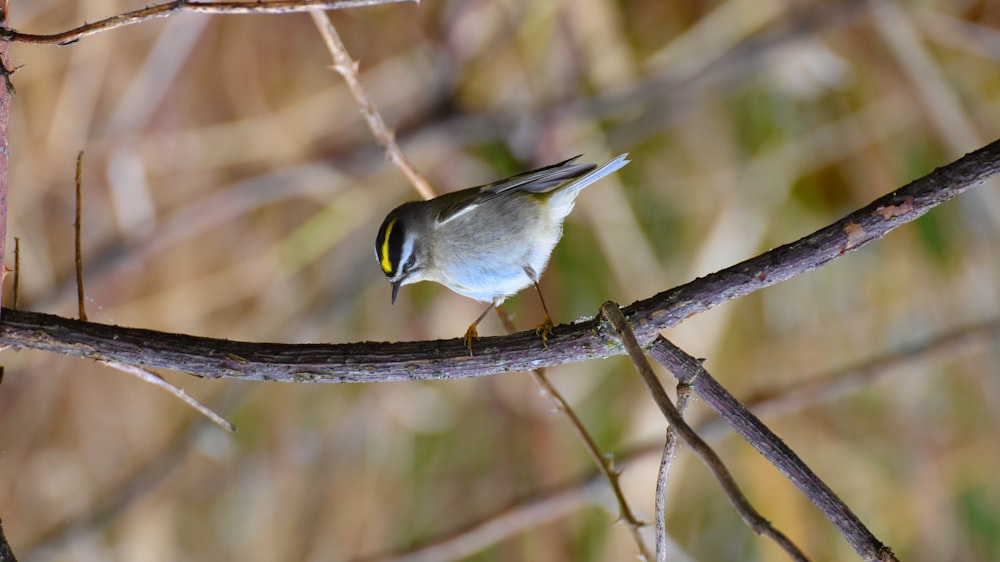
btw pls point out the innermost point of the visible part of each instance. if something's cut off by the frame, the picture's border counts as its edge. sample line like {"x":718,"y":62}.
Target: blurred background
{"x":232,"y":190}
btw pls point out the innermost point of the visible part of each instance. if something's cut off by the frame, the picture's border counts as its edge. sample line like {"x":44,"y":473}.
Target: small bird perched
{"x":486,"y":242}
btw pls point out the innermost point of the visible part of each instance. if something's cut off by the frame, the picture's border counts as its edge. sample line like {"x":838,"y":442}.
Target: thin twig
{"x":180,"y":6}
{"x":690,"y":371}
{"x":666,"y":460}
{"x":344,"y":65}
{"x":17,"y":273}
{"x":135,"y":370}
{"x":613,"y":314}
{"x":156,"y":380}
{"x":77,"y":227}
{"x":605,"y":464}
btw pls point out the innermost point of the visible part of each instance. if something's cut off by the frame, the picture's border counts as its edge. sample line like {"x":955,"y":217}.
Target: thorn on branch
{"x":7,"y":73}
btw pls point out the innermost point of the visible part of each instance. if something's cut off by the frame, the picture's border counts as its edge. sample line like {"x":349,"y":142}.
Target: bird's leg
{"x":544,"y":330}
{"x":471,"y":333}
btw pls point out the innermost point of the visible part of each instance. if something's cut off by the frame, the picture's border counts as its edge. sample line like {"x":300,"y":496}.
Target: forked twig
{"x":611,"y":312}
{"x":690,"y":371}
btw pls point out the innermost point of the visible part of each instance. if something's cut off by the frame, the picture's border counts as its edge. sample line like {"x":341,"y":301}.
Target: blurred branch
{"x":531,"y":513}
{"x":144,"y":481}
{"x":448,"y":359}
{"x":645,"y":109}
{"x":829,"y":387}
{"x":179,"y":6}
{"x":691,"y":372}
{"x":344,"y":65}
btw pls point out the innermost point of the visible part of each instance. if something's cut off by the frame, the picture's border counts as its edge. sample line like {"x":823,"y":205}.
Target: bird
{"x":486,"y":242}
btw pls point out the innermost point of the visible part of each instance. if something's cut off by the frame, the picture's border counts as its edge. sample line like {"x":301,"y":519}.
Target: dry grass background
{"x":231,"y":190}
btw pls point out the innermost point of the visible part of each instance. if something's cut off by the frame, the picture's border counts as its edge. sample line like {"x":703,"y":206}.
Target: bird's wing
{"x":541,"y":180}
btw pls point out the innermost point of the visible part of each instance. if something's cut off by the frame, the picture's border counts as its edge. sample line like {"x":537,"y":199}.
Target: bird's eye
{"x":410,"y":262}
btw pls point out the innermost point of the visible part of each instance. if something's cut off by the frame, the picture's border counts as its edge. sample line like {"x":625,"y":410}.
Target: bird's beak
{"x":395,"y":290}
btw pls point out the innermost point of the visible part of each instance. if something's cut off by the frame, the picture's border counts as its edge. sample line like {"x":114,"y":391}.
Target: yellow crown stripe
{"x":386,"y":264}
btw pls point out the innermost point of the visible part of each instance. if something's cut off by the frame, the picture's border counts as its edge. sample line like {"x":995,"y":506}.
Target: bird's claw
{"x":470,"y":335}
{"x":544,"y":330}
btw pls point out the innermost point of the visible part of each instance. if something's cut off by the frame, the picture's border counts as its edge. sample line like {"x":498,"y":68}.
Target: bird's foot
{"x":470,"y":335}
{"x":544,"y":330}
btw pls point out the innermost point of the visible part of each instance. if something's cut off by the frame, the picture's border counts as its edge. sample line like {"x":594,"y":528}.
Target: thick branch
{"x":448,"y":359}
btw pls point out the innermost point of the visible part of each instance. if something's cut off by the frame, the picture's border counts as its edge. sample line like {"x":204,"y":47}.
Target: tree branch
{"x":689,"y":370}
{"x":448,"y":359}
